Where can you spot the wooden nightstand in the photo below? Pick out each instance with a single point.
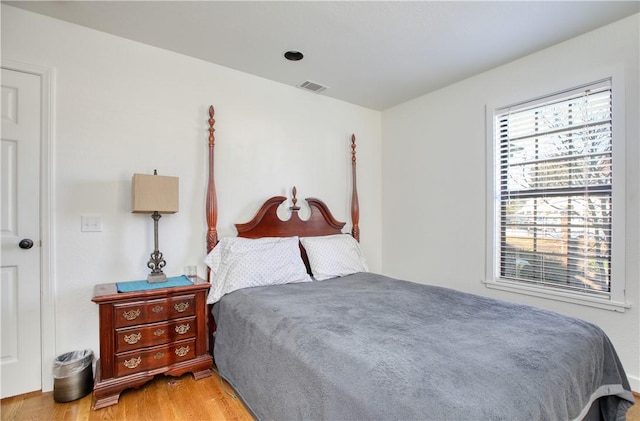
(145, 333)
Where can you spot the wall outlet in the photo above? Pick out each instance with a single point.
(91, 224)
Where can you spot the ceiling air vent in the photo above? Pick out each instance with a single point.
(312, 86)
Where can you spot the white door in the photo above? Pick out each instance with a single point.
(20, 358)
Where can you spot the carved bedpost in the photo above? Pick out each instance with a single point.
(355, 206)
(212, 200)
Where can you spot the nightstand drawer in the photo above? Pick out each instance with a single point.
(155, 334)
(139, 312)
(161, 356)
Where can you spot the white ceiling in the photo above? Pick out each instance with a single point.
(372, 53)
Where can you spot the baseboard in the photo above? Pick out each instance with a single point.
(634, 382)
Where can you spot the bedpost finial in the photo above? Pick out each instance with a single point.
(353, 148)
(212, 121)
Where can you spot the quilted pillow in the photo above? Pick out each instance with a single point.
(336, 255)
(238, 263)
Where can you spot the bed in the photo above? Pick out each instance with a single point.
(346, 344)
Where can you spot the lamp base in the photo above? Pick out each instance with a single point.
(154, 278)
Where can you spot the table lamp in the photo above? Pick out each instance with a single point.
(154, 194)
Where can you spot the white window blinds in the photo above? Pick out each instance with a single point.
(554, 177)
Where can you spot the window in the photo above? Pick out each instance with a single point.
(553, 189)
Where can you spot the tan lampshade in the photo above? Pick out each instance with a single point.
(150, 193)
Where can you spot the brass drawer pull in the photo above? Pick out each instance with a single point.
(131, 314)
(157, 309)
(159, 355)
(182, 351)
(182, 329)
(133, 362)
(158, 332)
(181, 307)
(133, 338)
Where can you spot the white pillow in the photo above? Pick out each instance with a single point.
(238, 263)
(334, 255)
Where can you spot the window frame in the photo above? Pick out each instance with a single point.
(616, 300)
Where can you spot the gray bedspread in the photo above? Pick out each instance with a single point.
(368, 347)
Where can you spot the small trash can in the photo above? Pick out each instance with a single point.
(72, 375)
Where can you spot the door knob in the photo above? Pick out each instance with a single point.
(25, 243)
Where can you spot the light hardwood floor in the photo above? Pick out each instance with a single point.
(634, 412)
(164, 398)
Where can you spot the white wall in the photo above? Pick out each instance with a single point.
(122, 107)
(433, 174)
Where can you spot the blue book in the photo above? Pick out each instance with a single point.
(143, 285)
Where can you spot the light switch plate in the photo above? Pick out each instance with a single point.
(91, 224)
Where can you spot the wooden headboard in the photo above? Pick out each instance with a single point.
(266, 222)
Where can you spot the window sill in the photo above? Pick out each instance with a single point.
(553, 294)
